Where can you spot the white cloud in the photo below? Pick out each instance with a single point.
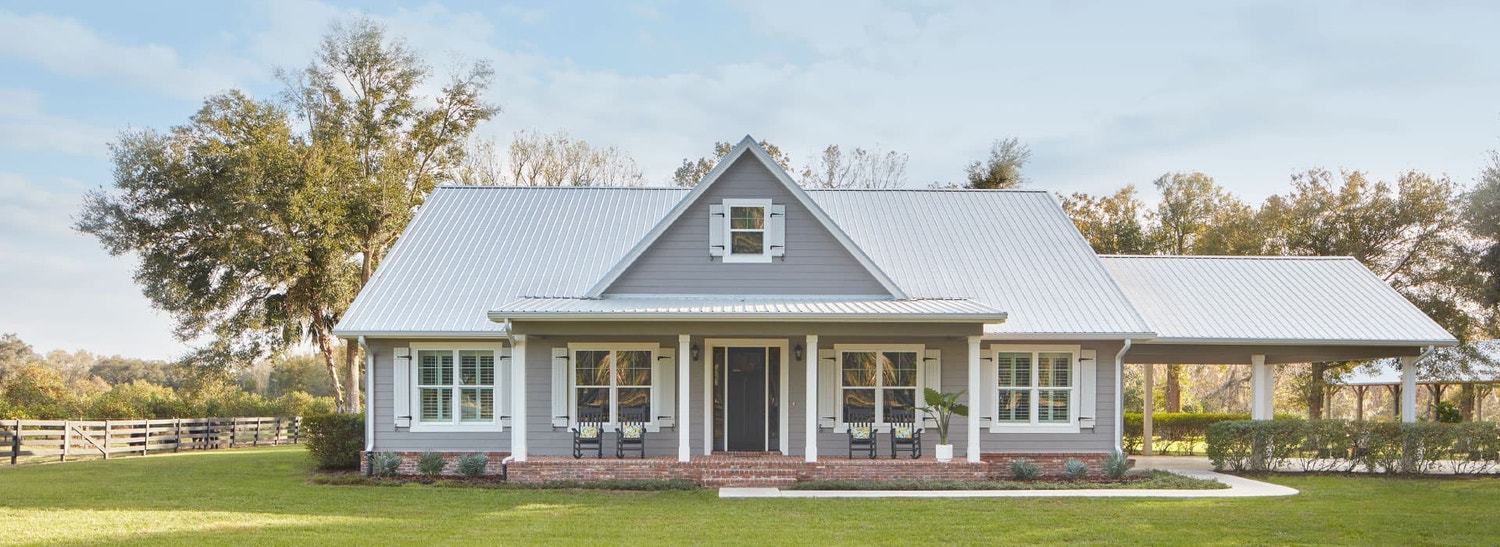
(65, 46)
(25, 125)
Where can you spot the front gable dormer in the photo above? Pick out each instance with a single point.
(746, 229)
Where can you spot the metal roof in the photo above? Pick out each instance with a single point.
(474, 249)
(746, 308)
(1281, 300)
(1014, 250)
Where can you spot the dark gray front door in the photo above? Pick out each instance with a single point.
(746, 408)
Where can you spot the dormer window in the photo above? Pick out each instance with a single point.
(747, 230)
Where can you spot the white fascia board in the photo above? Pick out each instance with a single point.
(347, 335)
(1296, 342)
(746, 144)
(769, 316)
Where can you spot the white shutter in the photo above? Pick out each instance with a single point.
(716, 238)
(401, 387)
(502, 385)
(1088, 380)
(828, 387)
(560, 387)
(932, 375)
(776, 230)
(664, 387)
(982, 405)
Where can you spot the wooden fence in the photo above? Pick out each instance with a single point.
(74, 439)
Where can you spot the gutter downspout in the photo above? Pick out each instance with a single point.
(1120, 398)
(369, 406)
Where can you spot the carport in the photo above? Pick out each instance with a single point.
(1269, 311)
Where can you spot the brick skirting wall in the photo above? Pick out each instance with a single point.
(762, 470)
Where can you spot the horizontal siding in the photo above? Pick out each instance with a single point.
(546, 440)
(678, 262)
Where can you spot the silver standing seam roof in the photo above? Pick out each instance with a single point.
(473, 250)
(747, 309)
(1292, 300)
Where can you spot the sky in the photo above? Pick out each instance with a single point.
(1104, 93)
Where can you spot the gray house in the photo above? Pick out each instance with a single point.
(751, 315)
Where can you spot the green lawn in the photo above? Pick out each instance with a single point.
(261, 496)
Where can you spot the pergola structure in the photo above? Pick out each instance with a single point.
(1268, 311)
(1482, 376)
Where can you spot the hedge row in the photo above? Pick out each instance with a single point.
(1343, 445)
(1181, 431)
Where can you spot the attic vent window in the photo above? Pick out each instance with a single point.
(747, 230)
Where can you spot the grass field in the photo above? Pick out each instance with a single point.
(261, 496)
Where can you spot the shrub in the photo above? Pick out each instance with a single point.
(335, 440)
(1337, 445)
(1023, 470)
(1116, 465)
(431, 464)
(1075, 469)
(385, 464)
(1182, 430)
(472, 465)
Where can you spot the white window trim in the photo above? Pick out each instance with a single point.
(992, 371)
(502, 387)
(653, 425)
(838, 355)
(765, 247)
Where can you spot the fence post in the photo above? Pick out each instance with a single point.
(177, 430)
(67, 441)
(106, 439)
(297, 430)
(276, 439)
(146, 442)
(234, 429)
(256, 442)
(15, 443)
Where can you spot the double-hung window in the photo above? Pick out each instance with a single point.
(1035, 387)
(751, 230)
(456, 388)
(610, 381)
(879, 380)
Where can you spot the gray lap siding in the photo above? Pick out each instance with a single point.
(543, 439)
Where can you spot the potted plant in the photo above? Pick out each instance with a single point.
(943, 406)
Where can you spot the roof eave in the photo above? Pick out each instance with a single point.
(1297, 342)
(352, 334)
(984, 318)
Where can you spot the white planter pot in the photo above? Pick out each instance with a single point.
(945, 452)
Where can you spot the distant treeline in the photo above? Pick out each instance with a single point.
(79, 385)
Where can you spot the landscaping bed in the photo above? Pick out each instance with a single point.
(1150, 480)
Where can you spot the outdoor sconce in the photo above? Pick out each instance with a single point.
(798, 353)
(695, 352)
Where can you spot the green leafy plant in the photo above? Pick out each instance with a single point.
(1075, 469)
(944, 406)
(472, 465)
(1024, 470)
(385, 464)
(431, 464)
(335, 440)
(1447, 412)
(1116, 465)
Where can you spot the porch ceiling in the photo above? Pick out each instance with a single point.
(1189, 353)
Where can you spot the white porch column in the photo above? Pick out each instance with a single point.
(976, 389)
(518, 397)
(1262, 389)
(810, 404)
(684, 397)
(1148, 406)
(1408, 389)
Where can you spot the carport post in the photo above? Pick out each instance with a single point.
(1148, 407)
(1262, 389)
(1408, 389)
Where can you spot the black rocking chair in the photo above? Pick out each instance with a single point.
(630, 433)
(862, 434)
(589, 435)
(905, 433)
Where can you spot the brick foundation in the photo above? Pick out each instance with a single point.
(762, 470)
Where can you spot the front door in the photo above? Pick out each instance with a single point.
(745, 399)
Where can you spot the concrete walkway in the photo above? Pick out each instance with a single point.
(1239, 487)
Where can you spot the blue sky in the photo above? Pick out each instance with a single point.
(1105, 93)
